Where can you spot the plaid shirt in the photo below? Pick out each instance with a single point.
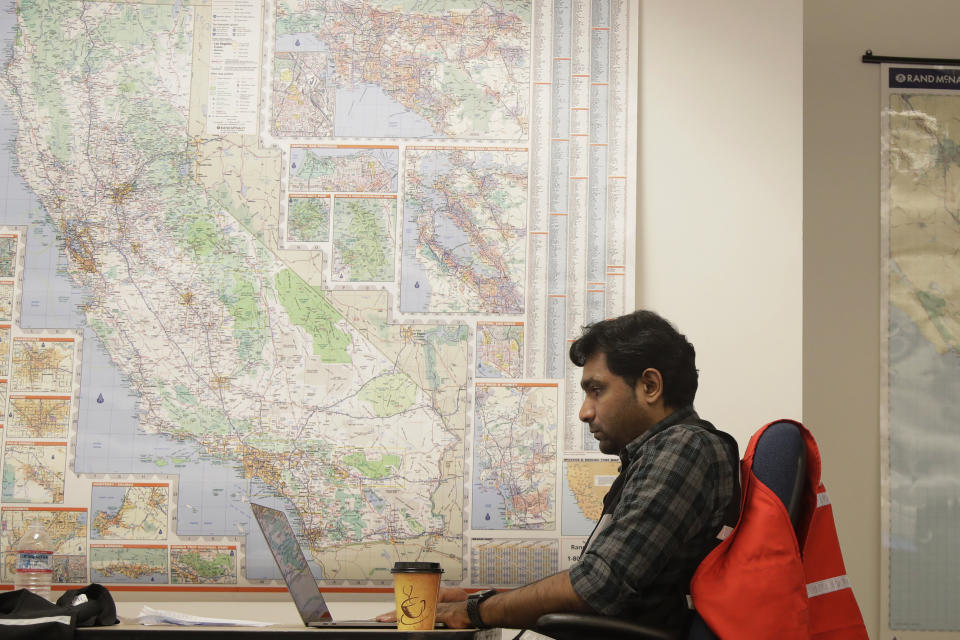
(677, 480)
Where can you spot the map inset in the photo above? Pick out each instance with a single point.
(128, 563)
(8, 256)
(129, 512)
(203, 564)
(33, 471)
(42, 365)
(5, 345)
(585, 482)
(499, 350)
(303, 104)
(511, 562)
(38, 416)
(352, 169)
(364, 237)
(464, 231)
(6, 301)
(67, 529)
(371, 69)
(515, 456)
(308, 219)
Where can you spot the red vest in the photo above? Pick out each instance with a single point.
(759, 584)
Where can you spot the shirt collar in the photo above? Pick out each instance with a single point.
(632, 450)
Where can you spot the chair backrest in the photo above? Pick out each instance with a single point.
(779, 462)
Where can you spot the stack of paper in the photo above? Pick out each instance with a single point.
(149, 615)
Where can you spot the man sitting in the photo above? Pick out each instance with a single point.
(662, 514)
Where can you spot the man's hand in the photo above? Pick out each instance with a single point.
(454, 614)
(447, 595)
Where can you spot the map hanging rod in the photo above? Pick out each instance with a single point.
(868, 57)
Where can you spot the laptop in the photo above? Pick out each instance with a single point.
(296, 573)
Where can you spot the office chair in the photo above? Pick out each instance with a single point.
(780, 463)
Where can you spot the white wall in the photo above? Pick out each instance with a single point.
(719, 248)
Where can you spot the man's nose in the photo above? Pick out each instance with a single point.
(586, 411)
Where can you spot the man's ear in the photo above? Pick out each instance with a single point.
(650, 386)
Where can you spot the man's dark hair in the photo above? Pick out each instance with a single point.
(638, 341)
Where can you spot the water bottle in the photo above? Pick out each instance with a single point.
(34, 569)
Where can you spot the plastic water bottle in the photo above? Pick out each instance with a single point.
(34, 569)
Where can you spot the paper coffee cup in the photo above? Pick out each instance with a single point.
(416, 586)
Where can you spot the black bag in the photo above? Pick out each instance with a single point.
(25, 615)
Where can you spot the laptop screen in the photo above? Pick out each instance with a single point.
(293, 565)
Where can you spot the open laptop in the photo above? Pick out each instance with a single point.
(296, 572)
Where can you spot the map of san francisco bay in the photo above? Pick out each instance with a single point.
(464, 231)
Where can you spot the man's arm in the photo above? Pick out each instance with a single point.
(516, 609)
(519, 608)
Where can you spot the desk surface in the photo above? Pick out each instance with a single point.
(173, 632)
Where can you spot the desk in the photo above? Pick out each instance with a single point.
(276, 632)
